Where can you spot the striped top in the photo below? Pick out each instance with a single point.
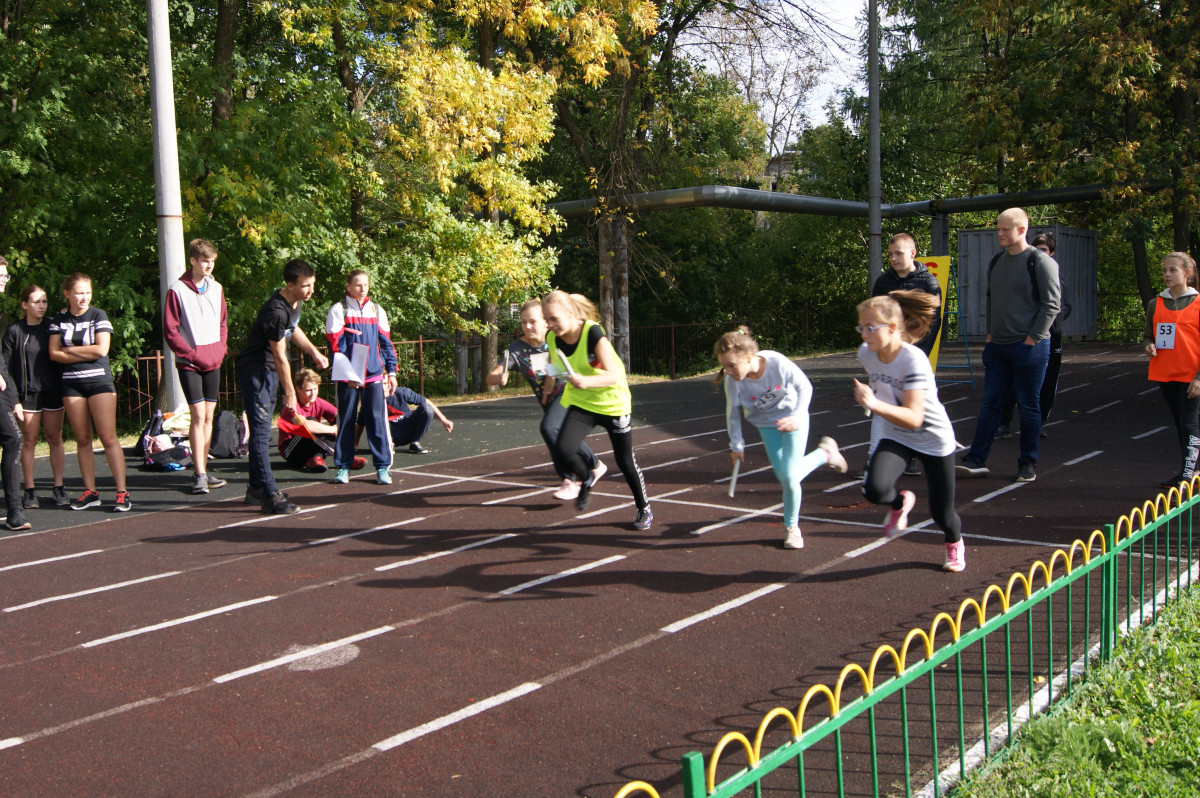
(82, 330)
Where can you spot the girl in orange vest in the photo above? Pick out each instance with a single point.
(1173, 344)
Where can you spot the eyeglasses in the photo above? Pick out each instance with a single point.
(5, 277)
(870, 328)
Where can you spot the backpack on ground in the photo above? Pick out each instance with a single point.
(228, 439)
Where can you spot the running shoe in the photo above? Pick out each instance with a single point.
(278, 504)
(1026, 471)
(383, 476)
(896, 521)
(16, 520)
(834, 460)
(342, 476)
(122, 503)
(568, 490)
(599, 471)
(216, 482)
(1173, 482)
(60, 496)
(416, 448)
(956, 557)
(912, 469)
(90, 498)
(645, 517)
(970, 467)
(794, 539)
(200, 484)
(357, 463)
(30, 500)
(1004, 431)
(316, 464)
(584, 497)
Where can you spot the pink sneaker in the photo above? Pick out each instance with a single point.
(956, 559)
(897, 520)
(599, 471)
(568, 490)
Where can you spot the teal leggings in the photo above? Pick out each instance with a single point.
(785, 450)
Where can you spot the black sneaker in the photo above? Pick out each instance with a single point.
(256, 495)
(1003, 431)
(90, 498)
(122, 504)
(416, 448)
(16, 520)
(1173, 482)
(585, 495)
(278, 504)
(30, 500)
(645, 517)
(60, 496)
(970, 467)
(1026, 472)
(912, 469)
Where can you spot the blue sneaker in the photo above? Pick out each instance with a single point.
(384, 476)
(342, 476)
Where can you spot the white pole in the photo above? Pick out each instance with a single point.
(874, 192)
(167, 200)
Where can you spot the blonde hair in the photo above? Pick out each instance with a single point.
(905, 237)
(738, 341)
(1017, 216)
(1186, 262)
(530, 303)
(305, 376)
(912, 310)
(583, 308)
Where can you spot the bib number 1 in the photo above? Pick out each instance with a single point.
(1164, 335)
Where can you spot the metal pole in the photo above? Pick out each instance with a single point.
(874, 192)
(167, 200)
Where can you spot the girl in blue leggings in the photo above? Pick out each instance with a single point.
(772, 393)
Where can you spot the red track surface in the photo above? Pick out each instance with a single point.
(451, 670)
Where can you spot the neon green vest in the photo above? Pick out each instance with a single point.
(611, 400)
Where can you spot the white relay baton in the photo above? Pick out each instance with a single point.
(737, 466)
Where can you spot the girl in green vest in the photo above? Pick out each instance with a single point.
(596, 393)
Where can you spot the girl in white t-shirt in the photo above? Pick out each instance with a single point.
(903, 392)
(771, 393)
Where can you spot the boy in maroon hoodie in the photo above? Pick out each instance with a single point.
(195, 328)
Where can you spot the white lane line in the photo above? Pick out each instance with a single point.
(361, 532)
(1143, 393)
(436, 554)
(446, 481)
(852, 446)
(273, 517)
(177, 622)
(1073, 388)
(455, 717)
(854, 423)
(670, 463)
(744, 517)
(1087, 456)
(308, 652)
(518, 497)
(1147, 434)
(875, 544)
(960, 399)
(561, 575)
(1120, 376)
(116, 586)
(685, 437)
(1002, 491)
(843, 485)
(1104, 407)
(53, 559)
(1102, 365)
(623, 505)
(721, 608)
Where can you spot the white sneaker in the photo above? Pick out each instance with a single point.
(568, 490)
(835, 459)
(794, 539)
(600, 470)
(956, 557)
(896, 521)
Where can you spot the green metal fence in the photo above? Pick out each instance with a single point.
(920, 714)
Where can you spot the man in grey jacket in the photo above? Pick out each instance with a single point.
(1023, 301)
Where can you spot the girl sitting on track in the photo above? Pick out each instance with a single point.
(596, 393)
(903, 393)
(79, 341)
(529, 355)
(39, 388)
(773, 394)
(1173, 344)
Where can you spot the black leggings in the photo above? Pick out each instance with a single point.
(885, 468)
(1187, 425)
(575, 428)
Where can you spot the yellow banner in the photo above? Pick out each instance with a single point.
(939, 266)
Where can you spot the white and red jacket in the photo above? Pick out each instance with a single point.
(194, 323)
(349, 323)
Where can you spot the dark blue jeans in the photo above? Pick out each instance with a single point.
(373, 418)
(260, 389)
(554, 414)
(1020, 368)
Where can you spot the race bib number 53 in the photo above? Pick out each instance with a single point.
(1164, 335)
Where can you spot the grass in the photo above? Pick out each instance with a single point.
(1133, 729)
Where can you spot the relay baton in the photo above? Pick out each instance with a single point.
(737, 465)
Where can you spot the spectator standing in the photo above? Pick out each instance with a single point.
(80, 337)
(358, 320)
(263, 368)
(38, 383)
(1023, 299)
(195, 327)
(11, 415)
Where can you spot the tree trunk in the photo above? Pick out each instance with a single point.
(605, 251)
(1141, 268)
(355, 99)
(620, 330)
(223, 49)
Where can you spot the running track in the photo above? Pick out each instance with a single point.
(460, 632)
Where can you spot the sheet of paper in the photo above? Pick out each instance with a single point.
(353, 368)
